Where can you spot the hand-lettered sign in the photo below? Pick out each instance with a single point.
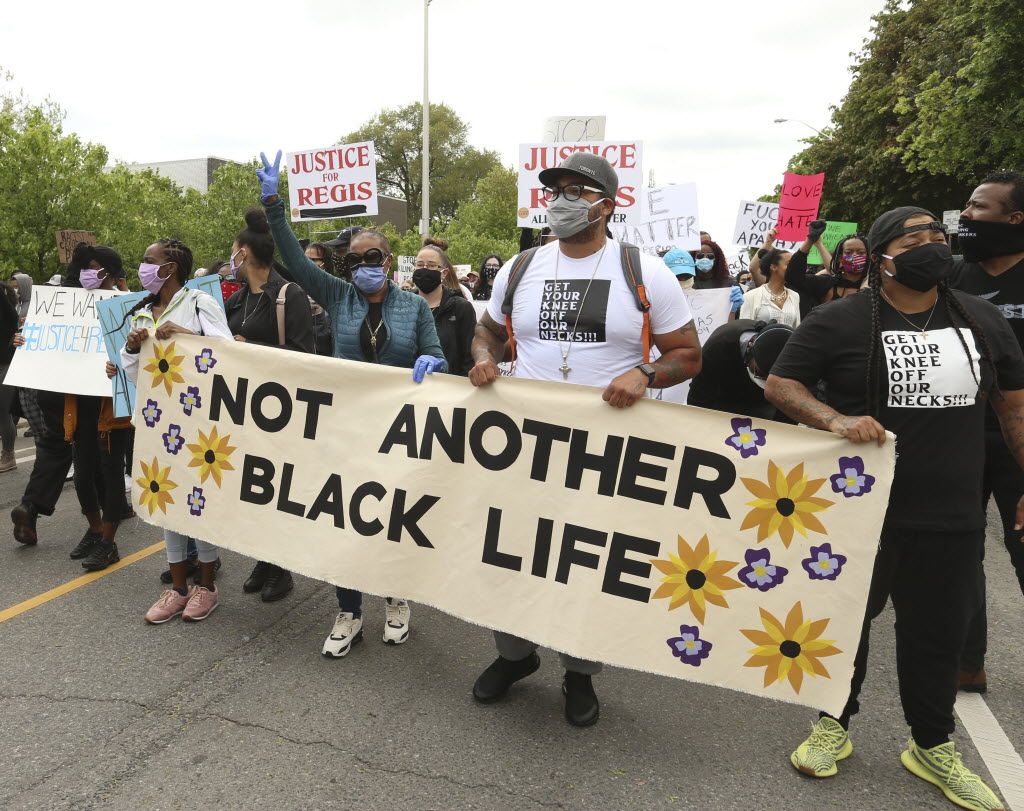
(668, 220)
(67, 241)
(336, 181)
(754, 220)
(798, 204)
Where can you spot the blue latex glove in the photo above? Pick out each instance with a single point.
(426, 365)
(735, 298)
(269, 176)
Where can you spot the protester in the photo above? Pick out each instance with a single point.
(469, 280)
(773, 301)
(485, 280)
(743, 280)
(961, 352)
(340, 245)
(736, 360)
(170, 309)
(991, 237)
(682, 266)
(324, 257)
(24, 293)
(713, 272)
(374, 322)
(616, 336)
(847, 267)
(9, 327)
(454, 316)
(267, 311)
(448, 277)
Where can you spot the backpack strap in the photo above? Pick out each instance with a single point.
(634, 278)
(515, 275)
(280, 313)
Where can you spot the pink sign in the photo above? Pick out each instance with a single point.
(798, 204)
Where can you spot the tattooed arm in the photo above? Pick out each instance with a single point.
(679, 361)
(794, 399)
(488, 350)
(1009, 407)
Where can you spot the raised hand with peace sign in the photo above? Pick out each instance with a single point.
(269, 176)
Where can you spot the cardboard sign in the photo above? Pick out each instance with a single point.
(640, 537)
(754, 220)
(67, 240)
(336, 181)
(626, 157)
(63, 348)
(669, 220)
(951, 219)
(574, 129)
(738, 264)
(710, 309)
(798, 204)
(834, 231)
(114, 321)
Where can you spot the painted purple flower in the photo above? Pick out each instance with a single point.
(760, 573)
(745, 438)
(190, 399)
(688, 647)
(851, 480)
(823, 564)
(151, 413)
(173, 440)
(205, 361)
(196, 501)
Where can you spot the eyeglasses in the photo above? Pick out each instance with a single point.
(427, 266)
(572, 192)
(373, 257)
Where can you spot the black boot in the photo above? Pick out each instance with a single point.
(494, 682)
(102, 555)
(581, 707)
(86, 545)
(24, 518)
(279, 584)
(257, 577)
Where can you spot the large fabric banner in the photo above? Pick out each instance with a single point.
(663, 538)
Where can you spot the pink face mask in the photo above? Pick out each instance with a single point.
(91, 279)
(149, 276)
(853, 262)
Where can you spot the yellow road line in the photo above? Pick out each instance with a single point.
(77, 583)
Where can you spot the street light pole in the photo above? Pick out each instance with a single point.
(425, 219)
(797, 121)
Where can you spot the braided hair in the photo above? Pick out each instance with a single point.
(834, 266)
(176, 251)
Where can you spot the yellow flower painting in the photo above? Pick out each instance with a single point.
(696, 577)
(785, 504)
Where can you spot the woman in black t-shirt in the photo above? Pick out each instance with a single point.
(254, 318)
(916, 358)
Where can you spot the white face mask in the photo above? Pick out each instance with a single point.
(567, 218)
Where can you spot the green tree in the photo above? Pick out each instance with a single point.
(486, 223)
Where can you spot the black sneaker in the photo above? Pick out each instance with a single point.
(86, 545)
(279, 584)
(192, 571)
(24, 518)
(581, 707)
(102, 555)
(257, 578)
(494, 682)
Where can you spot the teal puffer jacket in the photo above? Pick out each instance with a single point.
(408, 323)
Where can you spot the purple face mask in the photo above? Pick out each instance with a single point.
(149, 276)
(91, 279)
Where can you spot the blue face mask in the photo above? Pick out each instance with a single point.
(368, 278)
(705, 264)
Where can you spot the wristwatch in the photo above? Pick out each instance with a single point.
(650, 371)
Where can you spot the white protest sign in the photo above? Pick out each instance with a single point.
(64, 349)
(403, 271)
(335, 181)
(951, 219)
(574, 129)
(626, 157)
(669, 220)
(710, 309)
(462, 270)
(753, 220)
(738, 264)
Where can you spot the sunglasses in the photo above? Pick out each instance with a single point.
(373, 257)
(704, 256)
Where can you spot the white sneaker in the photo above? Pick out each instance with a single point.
(396, 621)
(347, 631)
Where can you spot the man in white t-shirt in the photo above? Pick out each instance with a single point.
(575, 320)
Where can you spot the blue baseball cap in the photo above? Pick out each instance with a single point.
(680, 263)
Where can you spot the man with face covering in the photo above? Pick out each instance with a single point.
(991, 237)
(575, 320)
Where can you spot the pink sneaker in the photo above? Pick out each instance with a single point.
(201, 602)
(167, 607)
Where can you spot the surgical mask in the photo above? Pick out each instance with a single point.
(426, 280)
(923, 267)
(704, 264)
(231, 263)
(567, 218)
(149, 276)
(368, 279)
(853, 262)
(985, 239)
(90, 278)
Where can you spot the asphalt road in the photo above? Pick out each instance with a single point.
(99, 710)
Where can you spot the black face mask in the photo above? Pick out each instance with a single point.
(923, 267)
(490, 273)
(983, 239)
(426, 280)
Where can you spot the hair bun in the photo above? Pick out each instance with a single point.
(256, 221)
(437, 242)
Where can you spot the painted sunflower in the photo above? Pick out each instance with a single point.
(155, 487)
(790, 649)
(165, 366)
(784, 503)
(211, 454)
(695, 576)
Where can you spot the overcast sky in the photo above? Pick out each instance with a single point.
(698, 82)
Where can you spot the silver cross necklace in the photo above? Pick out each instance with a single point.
(565, 369)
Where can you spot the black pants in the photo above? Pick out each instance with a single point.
(99, 474)
(53, 455)
(932, 578)
(1004, 481)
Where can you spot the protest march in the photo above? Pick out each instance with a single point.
(565, 423)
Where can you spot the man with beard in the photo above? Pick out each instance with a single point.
(581, 310)
(992, 240)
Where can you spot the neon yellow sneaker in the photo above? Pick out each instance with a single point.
(827, 744)
(941, 766)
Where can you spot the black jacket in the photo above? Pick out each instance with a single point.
(259, 311)
(8, 327)
(455, 320)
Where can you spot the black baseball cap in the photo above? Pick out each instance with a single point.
(593, 168)
(345, 236)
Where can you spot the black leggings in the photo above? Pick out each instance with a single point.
(99, 463)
